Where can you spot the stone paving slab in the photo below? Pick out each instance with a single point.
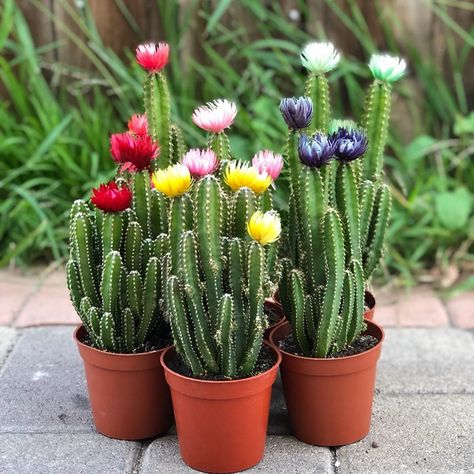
(426, 361)
(282, 455)
(42, 385)
(7, 339)
(13, 296)
(78, 453)
(415, 434)
(50, 305)
(461, 310)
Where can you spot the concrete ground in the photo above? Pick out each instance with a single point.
(423, 419)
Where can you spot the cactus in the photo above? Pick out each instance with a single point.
(216, 287)
(116, 287)
(338, 216)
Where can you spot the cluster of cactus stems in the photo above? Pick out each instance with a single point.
(171, 246)
(338, 216)
(116, 267)
(216, 289)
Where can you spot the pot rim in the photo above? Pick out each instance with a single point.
(222, 382)
(329, 359)
(107, 353)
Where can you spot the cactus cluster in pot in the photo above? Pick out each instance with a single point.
(339, 205)
(221, 231)
(118, 243)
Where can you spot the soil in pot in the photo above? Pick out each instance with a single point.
(363, 343)
(221, 424)
(266, 360)
(128, 392)
(329, 401)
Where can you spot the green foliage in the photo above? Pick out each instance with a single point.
(53, 148)
(117, 286)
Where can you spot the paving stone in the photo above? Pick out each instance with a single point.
(421, 308)
(386, 316)
(283, 455)
(461, 310)
(7, 339)
(50, 305)
(13, 295)
(415, 434)
(56, 277)
(426, 361)
(42, 385)
(78, 453)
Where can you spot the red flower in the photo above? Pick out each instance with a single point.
(134, 152)
(153, 57)
(138, 124)
(111, 198)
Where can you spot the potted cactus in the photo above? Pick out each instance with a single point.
(220, 372)
(338, 214)
(115, 273)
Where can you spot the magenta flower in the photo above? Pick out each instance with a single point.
(200, 162)
(268, 162)
(215, 116)
(133, 152)
(138, 124)
(153, 57)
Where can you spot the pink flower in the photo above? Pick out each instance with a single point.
(153, 57)
(268, 162)
(134, 152)
(200, 162)
(215, 116)
(138, 124)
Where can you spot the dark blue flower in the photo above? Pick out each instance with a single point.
(297, 111)
(315, 151)
(349, 144)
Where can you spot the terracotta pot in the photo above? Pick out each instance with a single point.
(221, 425)
(370, 303)
(329, 401)
(128, 392)
(271, 304)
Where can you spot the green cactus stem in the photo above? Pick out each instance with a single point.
(177, 148)
(317, 88)
(376, 120)
(157, 108)
(219, 143)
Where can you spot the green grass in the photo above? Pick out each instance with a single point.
(54, 138)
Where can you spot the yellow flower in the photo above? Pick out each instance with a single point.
(172, 181)
(265, 228)
(241, 175)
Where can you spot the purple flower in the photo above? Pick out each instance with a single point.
(315, 151)
(349, 144)
(297, 111)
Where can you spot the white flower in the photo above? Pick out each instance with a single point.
(385, 67)
(320, 57)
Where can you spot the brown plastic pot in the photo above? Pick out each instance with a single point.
(369, 303)
(271, 304)
(329, 401)
(221, 425)
(128, 392)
